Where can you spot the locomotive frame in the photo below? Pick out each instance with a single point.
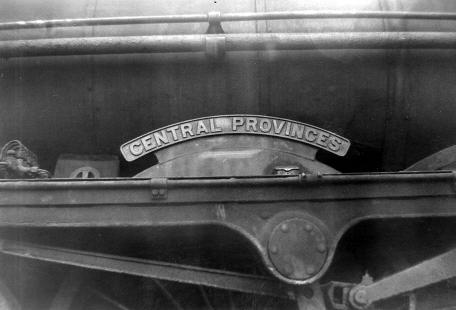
(259, 209)
(273, 214)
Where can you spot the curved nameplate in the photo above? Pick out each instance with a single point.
(234, 124)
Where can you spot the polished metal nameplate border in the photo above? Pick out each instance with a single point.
(234, 124)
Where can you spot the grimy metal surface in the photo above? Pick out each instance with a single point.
(150, 269)
(390, 102)
(227, 42)
(253, 207)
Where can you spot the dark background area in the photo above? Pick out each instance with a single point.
(395, 106)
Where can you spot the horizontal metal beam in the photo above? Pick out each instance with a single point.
(150, 269)
(249, 206)
(223, 17)
(231, 42)
(245, 189)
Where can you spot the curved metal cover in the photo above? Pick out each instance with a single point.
(234, 155)
(234, 124)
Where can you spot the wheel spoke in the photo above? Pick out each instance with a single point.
(168, 295)
(205, 298)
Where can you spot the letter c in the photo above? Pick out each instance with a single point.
(136, 148)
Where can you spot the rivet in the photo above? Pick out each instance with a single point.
(308, 227)
(360, 297)
(321, 247)
(287, 269)
(310, 269)
(274, 249)
(155, 192)
(162, 191)
(284, 227)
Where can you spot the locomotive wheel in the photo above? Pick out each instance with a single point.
(167, 295)
(83, 291)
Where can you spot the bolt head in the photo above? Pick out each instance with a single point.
(298, 248)
(321, 247)
(310, 269)
(288, 269)
(361, 297)
(162, 191)
(155, 192)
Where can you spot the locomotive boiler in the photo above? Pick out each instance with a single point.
(221, 154)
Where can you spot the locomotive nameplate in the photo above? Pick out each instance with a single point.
(234, 124)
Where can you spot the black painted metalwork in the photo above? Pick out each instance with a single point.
(150, 269)
(333, 203)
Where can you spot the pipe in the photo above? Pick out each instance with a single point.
(226, 17)
(103, 21)
(138, 183)
(336, 14)
(232, 42)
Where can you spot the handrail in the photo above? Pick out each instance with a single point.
(223, 17)
(227, 42)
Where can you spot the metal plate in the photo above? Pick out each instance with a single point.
(298, 248)
(234, 124)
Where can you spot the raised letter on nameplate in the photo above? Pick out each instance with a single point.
(234, 124)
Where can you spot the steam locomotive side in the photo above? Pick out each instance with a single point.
(223, 155)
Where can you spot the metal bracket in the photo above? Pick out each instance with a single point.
(215, 47)
(214, 19)
(432, 271)
(286, 170)
(159, 188)
(337, 293)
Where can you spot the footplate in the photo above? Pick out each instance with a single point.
(293, 222)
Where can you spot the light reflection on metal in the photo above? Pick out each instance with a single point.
(429, 272)
(223, 17)
(232, 42)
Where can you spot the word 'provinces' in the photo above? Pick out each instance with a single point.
(234, 124)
